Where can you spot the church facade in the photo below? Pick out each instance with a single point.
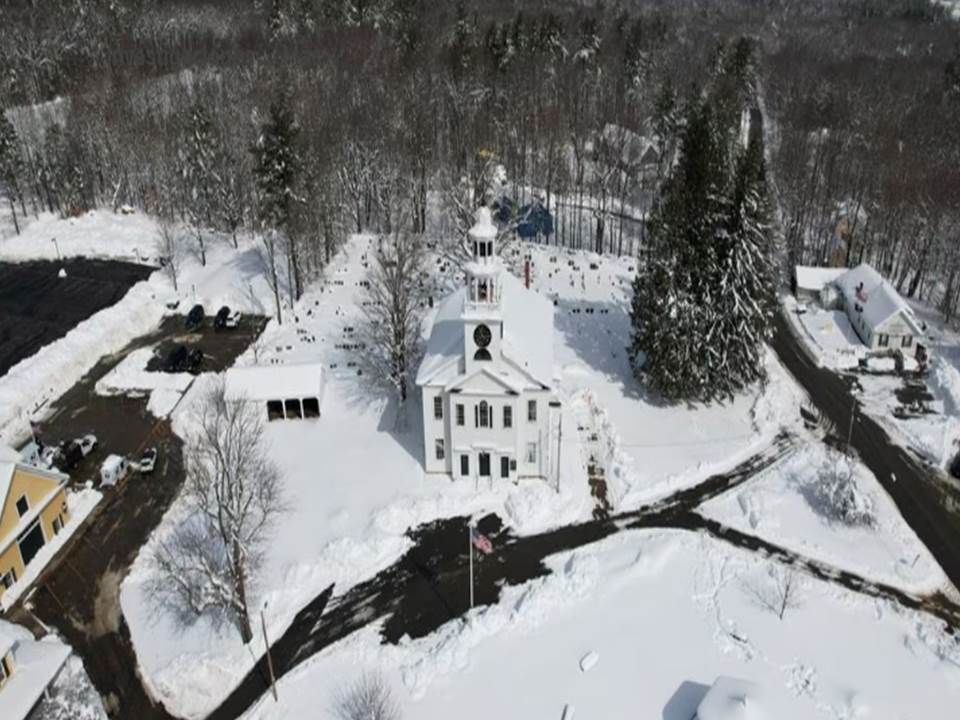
(490, 406)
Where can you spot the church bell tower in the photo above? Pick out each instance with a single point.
(482, 318)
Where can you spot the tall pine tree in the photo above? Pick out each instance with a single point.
(11, 168)
(703, 302)
(275, 171)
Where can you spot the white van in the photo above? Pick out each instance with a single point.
(113, 470)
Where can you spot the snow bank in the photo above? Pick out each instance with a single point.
(56, 367)
(97, 234)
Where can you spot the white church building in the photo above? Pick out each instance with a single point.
(490, 406)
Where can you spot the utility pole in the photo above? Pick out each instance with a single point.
(266, 643)
(470, 550)
(853, 415)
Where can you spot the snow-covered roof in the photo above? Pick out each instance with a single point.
(733, 699)
(865, 287)
(10, 460)
(275, 382)
(527, 334)
(445, 345)
(36, 664)
(483, 227)
(816, 278)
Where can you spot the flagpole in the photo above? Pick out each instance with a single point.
(470, 550)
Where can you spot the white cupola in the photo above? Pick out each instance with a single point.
(482, 272)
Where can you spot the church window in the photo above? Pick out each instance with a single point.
(482, 354)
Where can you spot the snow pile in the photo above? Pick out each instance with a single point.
(56, 367)
(131, 376)
(97, 234)
(786, 505)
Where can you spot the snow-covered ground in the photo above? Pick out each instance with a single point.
(355, 480)
(71, 696)
(781, 505)
(664, 613)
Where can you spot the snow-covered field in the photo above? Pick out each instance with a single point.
(782, 505)
(664, 613)
(356, 484)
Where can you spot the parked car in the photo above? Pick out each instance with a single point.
(148, 461)
(226, 319)
(182, 360)
(113, 470)
(68, 457)
(194, 318)
(87, 443)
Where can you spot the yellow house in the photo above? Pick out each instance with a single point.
(33, 509)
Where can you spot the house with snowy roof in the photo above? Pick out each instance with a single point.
(27, 668)
(490, 404)
(33, 509)
(880, 317)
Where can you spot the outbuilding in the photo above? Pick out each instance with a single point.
(285, 392)
(813, 284)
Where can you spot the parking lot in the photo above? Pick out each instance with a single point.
(37, 306)
(79, 592)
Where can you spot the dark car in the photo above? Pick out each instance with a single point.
(182, 360)
(225, 319)
(194, 318)
(68, 457)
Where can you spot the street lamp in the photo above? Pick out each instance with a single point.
(57, 246)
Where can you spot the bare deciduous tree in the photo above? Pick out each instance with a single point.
(778, 591)
(369, 698)
(233, 495)
(393, 308)
(170, 249)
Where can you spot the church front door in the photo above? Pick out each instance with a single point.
(484, 464)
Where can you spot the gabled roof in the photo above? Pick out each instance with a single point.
(527, 334)
(36, 665)
(816, 278)
(269, 382)
(865, 287)
(735, 699)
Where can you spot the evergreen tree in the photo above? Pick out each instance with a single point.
(11, 167)
(703, 301)
(276, 166)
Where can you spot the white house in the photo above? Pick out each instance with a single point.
(27, 668)
(291, 392)
(880, 317)
(490, 406)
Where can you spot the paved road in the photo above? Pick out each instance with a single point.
(37, 306)
(914, 486)
(78, 593)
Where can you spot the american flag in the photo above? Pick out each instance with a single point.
(480, 541)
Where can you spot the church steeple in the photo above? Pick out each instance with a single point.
(482, 272)
(482, 319)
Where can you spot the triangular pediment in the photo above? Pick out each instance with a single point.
(485, 380)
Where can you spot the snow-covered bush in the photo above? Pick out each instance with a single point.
(369, 698)
(835, 494)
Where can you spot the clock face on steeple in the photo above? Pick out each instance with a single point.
(482, 336)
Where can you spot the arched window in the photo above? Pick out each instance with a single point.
(482, 354)
(484, 412)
